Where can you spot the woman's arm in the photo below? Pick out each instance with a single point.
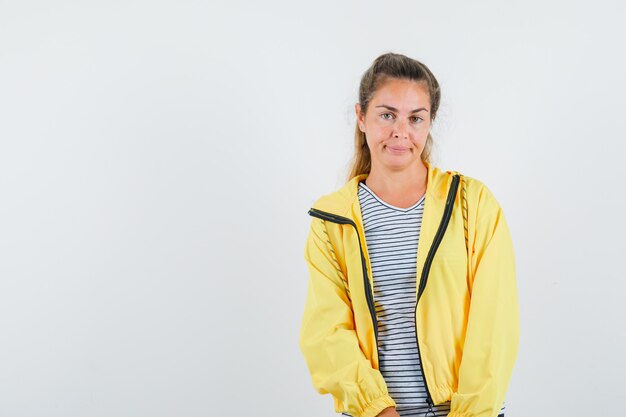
(493, 327)
(328, 339)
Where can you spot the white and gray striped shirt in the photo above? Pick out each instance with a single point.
(392, 235)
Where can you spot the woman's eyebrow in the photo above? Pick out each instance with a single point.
(394, 109)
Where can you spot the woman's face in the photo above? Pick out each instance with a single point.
(396, 124)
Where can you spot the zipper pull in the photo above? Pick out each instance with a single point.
(430, 409)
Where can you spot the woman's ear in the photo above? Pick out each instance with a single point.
(359, 116)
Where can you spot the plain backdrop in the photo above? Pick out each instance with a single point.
(158, 158)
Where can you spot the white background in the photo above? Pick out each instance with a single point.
(158, 158)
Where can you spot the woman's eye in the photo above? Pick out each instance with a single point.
(416, 119)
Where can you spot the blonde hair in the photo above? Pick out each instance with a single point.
(385, 67)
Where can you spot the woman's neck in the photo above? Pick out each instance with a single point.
(399, 188)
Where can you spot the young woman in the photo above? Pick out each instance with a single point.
(412, 305)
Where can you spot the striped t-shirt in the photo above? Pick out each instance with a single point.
(392, 235)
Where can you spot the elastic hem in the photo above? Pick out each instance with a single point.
(375, 407)
(441, 394)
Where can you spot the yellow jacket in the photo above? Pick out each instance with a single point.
(467, 315)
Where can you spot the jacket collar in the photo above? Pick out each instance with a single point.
(342, 201)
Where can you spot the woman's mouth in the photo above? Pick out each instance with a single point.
(397, 149)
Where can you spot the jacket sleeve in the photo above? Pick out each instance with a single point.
(493, 327)
(328, 339)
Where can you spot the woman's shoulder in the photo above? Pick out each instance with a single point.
(473, 183)
(479, 193)
(340, 199)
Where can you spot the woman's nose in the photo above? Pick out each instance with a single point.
(400, 130)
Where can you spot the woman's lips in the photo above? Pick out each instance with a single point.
(397, 149)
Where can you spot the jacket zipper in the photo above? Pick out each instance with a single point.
(369, 294)
(447, 213)
(368, 289)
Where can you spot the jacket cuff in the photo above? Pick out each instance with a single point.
(377, 406)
